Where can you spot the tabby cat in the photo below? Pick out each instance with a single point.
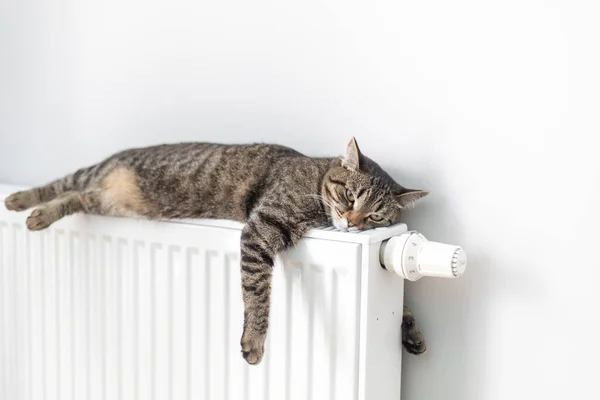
(279, 193)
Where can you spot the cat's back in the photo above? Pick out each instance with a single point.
(193, 153)
(206, 179)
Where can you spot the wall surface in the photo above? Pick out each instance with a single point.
(492, 106)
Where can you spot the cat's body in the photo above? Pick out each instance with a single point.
(278, 192)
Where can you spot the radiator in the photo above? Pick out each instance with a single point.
(120, 309)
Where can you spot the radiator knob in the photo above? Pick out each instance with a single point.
(412, 256)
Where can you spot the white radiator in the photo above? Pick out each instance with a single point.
(118, 309)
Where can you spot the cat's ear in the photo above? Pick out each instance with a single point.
(353, 157)
(409, 197)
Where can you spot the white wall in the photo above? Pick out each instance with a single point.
(492, 106)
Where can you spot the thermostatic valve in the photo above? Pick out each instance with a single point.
(412, 256)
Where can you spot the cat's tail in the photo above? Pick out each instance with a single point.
(79, 181)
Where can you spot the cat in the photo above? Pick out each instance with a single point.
(279, 193)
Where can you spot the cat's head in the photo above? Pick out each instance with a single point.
(359, 193)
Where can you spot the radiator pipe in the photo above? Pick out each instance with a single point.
(412, 256)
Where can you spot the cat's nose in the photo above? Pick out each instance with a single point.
(355, 219)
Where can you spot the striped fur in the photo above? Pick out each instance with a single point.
(278, 192)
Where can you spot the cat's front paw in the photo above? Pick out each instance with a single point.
(412, 338)
(253, 346)
(413, 347)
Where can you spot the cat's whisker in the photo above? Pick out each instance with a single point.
(321, 198)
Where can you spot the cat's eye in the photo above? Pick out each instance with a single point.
(376, 217)
(350, 196)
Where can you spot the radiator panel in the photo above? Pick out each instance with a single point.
(99, 308)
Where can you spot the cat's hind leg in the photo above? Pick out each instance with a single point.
(117, 194)
(66, 204)
(26, 199)
(79, 181)
(412, 338)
